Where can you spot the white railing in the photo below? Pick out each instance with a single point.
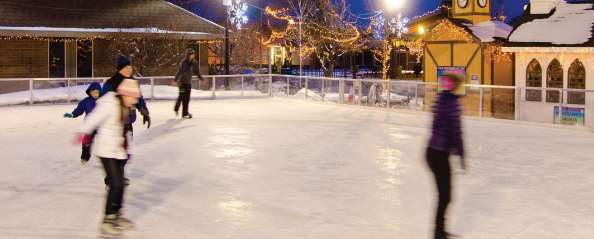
(485, 101)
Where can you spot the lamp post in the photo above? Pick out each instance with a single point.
(226, 4)
(391, 4)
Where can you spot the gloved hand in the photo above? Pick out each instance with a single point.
(145, 116)
(82, 138)
(68, 115)
(463, 164)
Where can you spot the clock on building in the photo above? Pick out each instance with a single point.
(462, 3)
(482, 3)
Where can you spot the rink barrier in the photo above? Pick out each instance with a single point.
(480, 101)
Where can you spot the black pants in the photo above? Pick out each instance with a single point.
(183, 98)
(86, 148)
(127, 128)
(440, 166)
(114, 169)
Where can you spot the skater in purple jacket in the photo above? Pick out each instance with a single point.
(446, 139)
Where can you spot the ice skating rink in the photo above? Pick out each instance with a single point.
(274, 168)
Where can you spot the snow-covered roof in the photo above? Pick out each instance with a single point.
(488, 30)
(99, 18)
(111, 30)
(568, 24)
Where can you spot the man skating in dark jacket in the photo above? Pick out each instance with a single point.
(183, 78)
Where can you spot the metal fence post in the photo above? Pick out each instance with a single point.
(306, 87)
(518, 99)
(322, 90)
(288, 86)
(152, 88)
(241, 86)
(270, 85)
(360, 93)
(31, 92)
(68, 84)
(481, 102)
(560, 105)
(389, 86)
(341, 91)
(214, 86)
(416, 96)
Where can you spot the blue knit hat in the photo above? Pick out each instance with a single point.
(122, 62)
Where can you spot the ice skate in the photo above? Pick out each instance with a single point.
(176, 112)
(83, 162)
(108, 228)
(188, 115)
(447, 235)
(123, 223)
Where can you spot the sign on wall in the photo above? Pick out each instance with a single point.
(445, 81)
(570, 116)
(474, 80)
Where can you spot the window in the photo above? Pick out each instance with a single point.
(554, 80)
(534, 79)
(84, 58)
(57, 59)
(576, 76)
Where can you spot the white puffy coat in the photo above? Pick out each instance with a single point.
(109, 141)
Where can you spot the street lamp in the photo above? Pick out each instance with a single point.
(394, 3)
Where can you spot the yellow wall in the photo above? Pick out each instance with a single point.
(473, 7)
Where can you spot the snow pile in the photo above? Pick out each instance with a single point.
(488, 30)
(310, 95)
(570, 24)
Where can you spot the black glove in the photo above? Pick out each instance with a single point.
(145, 116)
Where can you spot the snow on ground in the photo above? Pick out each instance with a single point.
(275, 168)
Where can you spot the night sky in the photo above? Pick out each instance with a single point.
(413, 8)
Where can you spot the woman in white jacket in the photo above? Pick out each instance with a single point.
(111, 145)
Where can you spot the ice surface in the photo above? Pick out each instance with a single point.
(276, 168)
(570, 24)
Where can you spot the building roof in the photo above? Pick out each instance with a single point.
(100, 18)
(490, 31)
(567, 25)
(487, 31)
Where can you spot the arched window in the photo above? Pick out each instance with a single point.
(554, 80)
(534, 79)
(577, 80)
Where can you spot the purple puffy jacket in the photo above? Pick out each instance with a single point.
(446, 133)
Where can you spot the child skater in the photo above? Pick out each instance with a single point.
(85, 107)
(110, 115)
(446, 138)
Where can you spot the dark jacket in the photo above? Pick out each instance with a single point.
(186, 69)
(447, 133)
(112, 84)
(86, 106)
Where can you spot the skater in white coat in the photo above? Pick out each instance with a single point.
(111, 145)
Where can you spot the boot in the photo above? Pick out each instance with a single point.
(123, 223)
(108, 227)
